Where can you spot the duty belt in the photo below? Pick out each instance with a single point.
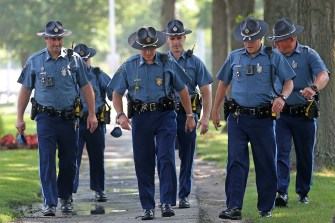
(144, 107)
(180, 108)
(66, 114)
(259, 112)
(295, 111)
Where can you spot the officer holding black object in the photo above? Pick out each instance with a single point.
(250, 116)
(95, 141)
(299, 117)
(151, 78)
(55, 73)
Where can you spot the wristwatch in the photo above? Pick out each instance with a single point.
(314, 88)
(191, 115)
(283, 97)
(119, 115)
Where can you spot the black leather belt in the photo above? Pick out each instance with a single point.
(66, 114)
(259, 112)
(295, 111)
(180, 108)
(144, 107)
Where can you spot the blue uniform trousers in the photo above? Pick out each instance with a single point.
(261, 135)
(54, 131)
(186, 149)
(303, 132)
(154, 136)
(95, 146)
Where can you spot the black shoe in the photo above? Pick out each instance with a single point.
(49, 210)
(66, 205)
(167, 210)
(149, 214)
(281, 200)
(232, 213)
(303, 199)
(183, 203)
(100, 197)
(265, 214)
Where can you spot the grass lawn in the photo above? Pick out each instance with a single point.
(321, 209)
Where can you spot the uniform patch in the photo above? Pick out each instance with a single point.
(259, 68)
(159, 81)
(294, 64)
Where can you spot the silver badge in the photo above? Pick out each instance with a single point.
(259, 68)
(56, 30)
(294, 64)
(174, 29)
(63, 71)
(246, 31)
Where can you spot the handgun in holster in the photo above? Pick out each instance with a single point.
(196, 104)
(104, 114)
(312, 110)
(78, 107)
(130, 106)
(228, 106)
(34, 108)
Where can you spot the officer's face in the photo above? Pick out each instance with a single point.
(148, 55)
(54, 44)
(176, 43)
(285, 46)
(253, 47)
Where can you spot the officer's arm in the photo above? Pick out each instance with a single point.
(121, 117)
(22, 103)
(206, 108)
(186, 101)
(220, 94)
(88, 94)
(279, 102)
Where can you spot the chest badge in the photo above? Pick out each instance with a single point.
(159, 81)
(294, 64)
(63, 72)
(259, 68)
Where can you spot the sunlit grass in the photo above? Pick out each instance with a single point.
(321, 209)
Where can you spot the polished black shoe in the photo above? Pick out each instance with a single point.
(265, 214)
(232, 213)
(66, 205)
(183, 203)
(281, 200)
(100, 197)
(303, 199)
(167, 210)
(149, 214)
(49, 210)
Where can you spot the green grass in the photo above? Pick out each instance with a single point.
(8, 124)
(321, 209)
(19, 182)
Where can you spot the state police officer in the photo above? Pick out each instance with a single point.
(250, 119)
(95, 141)
(295, 123)
(150, 78)
(55, 74)
(201, 78)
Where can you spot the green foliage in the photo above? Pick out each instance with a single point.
(1, 125)
(213, 146)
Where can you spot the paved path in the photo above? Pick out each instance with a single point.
(123, 204)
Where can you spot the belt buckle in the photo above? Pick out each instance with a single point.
(152, 107)
(252, 111)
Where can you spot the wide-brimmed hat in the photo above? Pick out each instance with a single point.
(283, 29)
(146, 38)
(250, 29)
(54, 28)
(84, 51)
(176, 28)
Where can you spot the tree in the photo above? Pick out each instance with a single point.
(168, 13)
(319, 33)
(275, 10)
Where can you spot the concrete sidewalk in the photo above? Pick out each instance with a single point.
(123, 203)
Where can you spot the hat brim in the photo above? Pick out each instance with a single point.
(186, 31)
(65, 33)
(132, 42)
(264, 29)
(298, 29)
(92, 53)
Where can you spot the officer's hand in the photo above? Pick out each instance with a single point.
(216, 120)
(204, 124)
(190, 124)
(124, 122)
(308, 93)
(278, 104)
(92, 122)
(20, 126)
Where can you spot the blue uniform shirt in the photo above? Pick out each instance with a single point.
(196, 70)
(256, 89)
(99, 84)
(55, 81)
(144, 81)
(307, 64)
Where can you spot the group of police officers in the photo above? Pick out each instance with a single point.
(168, 94)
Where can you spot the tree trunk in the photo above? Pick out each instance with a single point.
(319, 34)
(168, 13)
(219, 41)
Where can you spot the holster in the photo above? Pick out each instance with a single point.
(130, 106)
(167, 104)
(312, 110)
(34, 109)
(196, 101)
(104, 114)
(228, 106)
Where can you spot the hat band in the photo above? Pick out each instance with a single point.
(249, 36)
(175, 34)
(147, 45)
(274, 37)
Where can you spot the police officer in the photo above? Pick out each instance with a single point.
(248, 70)
(55, 74)
(312, 76)
(201, 78)
(150, 78)
(95, 141)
